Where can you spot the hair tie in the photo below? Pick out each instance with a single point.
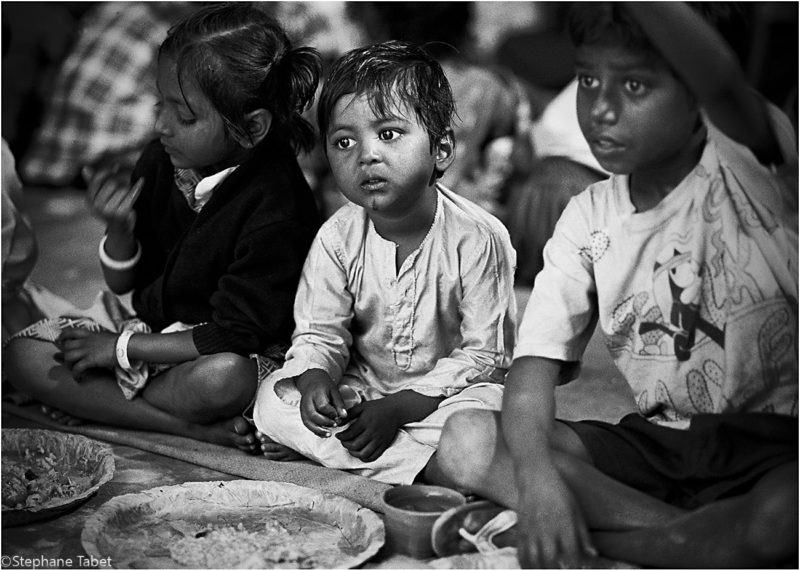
(279, 63)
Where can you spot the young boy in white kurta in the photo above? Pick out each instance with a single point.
(405, 311)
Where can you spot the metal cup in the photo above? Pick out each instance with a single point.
(410, 511)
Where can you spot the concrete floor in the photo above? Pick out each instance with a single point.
(68, 238)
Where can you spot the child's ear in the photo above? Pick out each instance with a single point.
(445, 151)
(258, 123)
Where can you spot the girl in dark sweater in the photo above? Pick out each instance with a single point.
(209, 234)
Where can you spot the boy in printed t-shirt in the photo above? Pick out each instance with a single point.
(687, 258)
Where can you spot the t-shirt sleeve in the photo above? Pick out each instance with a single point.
(562, 311)
(784, 134)
(786, 173)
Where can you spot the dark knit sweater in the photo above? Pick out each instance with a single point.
(236, 264)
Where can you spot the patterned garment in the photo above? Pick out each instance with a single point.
(108, 313)
(101, 108)
(196, 189)
(697, 297)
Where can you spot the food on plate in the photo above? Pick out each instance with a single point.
(235, 547)
(15, 485)
(233, 524)
(46, 473)
(38, 477)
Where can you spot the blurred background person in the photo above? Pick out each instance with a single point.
(520, 154)
(100, 108)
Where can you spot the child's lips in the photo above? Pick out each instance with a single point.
(373, 184)
(606, 144)
(604, 147)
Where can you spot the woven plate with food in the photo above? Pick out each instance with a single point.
(233, 524)
(47, 473)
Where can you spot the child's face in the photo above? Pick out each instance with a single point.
(634, 113)
(384, 164)
(193, 135)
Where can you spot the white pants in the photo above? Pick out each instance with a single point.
(278, 417)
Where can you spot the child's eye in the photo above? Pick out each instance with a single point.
(587, 81)
(343, 143)
(184, 121)
(635, 86)
(388, 134)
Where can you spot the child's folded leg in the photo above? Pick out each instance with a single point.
(485, 396)
(209, 388)
(277, 415)
(32, 369)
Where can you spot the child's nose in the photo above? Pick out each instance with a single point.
(369, 153)
(161, 126)
(605, 108)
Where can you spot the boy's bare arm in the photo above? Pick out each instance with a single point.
(704, 60)
(552, 529)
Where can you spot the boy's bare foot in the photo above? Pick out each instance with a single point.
(244, 437)
(276, 451)
(61, 417)
(235, 432)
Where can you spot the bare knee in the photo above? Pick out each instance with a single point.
(772, 525)
(467, 446)
(26, 363)
(224, 382)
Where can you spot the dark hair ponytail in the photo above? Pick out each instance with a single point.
(242, 60)
(291, 84)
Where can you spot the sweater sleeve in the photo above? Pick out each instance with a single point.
(252, 304)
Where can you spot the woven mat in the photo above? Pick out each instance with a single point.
(362, 490)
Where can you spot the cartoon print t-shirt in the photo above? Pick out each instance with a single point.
(697, 297)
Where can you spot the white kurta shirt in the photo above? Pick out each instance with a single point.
(445, 320)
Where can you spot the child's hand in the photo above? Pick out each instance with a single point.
(372, 429)
(82, 349)
(552, 530)
(321, 404)
(109, 195)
